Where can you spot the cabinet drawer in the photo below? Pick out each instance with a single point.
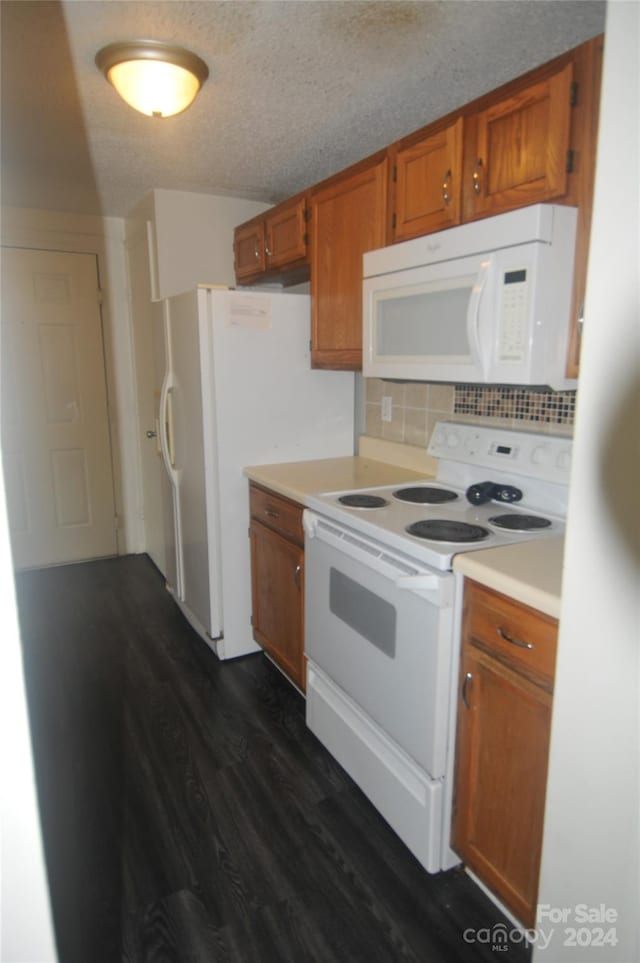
(518, 635)
(276, 512)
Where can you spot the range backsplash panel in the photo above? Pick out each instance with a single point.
(416, 406)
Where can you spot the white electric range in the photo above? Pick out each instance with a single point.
(382, 612)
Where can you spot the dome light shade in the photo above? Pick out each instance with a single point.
(155, 78)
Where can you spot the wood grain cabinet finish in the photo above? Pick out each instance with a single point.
(273, 244)
(277, 580)
(532, 140)
(248, 250)
(518, 149)
(348, 218)
(427, 183)
(504, 722)
(286, 234)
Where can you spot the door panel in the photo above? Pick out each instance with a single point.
(348, 217)
(428, 186)
(55, 428)
(521, 149)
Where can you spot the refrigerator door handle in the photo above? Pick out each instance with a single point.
(166, 427)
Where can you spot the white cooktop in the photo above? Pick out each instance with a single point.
(537, 464)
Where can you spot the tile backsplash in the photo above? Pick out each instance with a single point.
(417, 405)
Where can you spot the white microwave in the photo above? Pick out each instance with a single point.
(487, 302)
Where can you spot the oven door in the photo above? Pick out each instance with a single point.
(379, 625)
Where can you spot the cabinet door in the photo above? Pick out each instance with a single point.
(521, 148)
(428, 179)
(501, 769)
(285, 234)
(347, 219)
(248, 249)
(278, 590)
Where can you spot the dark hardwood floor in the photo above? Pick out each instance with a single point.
(188, 813)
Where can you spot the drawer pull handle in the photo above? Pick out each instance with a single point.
(296, 576)
(519, 642)
(467, 679)
(272, 513)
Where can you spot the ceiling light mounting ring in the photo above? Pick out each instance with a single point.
(156, 78)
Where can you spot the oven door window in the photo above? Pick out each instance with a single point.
(371, 616)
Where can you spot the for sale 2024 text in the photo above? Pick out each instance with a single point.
(584, 925)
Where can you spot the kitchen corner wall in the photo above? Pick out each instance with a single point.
(416, 406)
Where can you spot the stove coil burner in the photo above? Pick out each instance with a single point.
(425, 495)
(520, 523)
(447, 530)
(358, 500)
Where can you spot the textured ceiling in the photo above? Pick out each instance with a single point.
(297, 90)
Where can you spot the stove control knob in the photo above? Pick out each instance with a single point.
(563, 461)
(540, 455)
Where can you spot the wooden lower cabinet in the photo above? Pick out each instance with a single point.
(277, 580)
(504, 722)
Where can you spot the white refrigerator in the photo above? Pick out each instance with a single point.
(238, 390)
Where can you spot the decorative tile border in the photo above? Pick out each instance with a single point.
(520, 404)
(417, 406)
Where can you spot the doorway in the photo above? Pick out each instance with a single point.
(55, 425)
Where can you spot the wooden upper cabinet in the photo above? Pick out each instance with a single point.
(273, 244)
(426, 191)
(517, 149)
(286, 233)
(248, 249)
(348, 218)
(530, 141)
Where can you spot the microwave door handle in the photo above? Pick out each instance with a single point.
(473, 314)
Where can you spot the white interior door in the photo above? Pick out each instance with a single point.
(55, 426)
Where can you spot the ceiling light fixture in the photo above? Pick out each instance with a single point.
(156, 78)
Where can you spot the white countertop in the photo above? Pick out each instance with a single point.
(298, 479)
(529, 572)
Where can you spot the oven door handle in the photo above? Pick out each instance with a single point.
(422, 581)
(436, 587)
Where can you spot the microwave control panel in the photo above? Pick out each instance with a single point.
(514, 300)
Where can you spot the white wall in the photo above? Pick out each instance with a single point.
(26, 933)
(592, 830)
(194, 235)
